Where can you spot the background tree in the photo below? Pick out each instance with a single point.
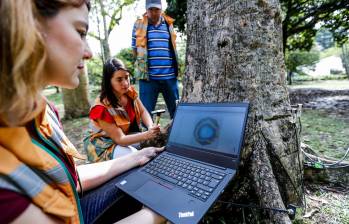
(95, 69)
(303, 19)
(324, 39)
(106, 14)
(126, 55)
(76, 101)
(234, 53)
(295, 59)
(300, 21)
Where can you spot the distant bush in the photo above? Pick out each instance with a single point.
(335, 72)
(295, 59)
(306, 78)
(95, 69)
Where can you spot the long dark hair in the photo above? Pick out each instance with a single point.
(109, 68)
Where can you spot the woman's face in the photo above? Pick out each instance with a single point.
(65, 39)
(120, 81)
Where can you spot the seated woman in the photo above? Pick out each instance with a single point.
(116, 116)
(44, 43)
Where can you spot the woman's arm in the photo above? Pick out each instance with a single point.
(118, 136)
(144, 216)
(33, 214)
(145, 116)
(95, 174)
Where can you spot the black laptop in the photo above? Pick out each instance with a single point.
(201, 157)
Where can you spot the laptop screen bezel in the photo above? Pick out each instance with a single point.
(214, 157)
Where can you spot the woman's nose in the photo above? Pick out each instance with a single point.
(125, 81)
(87, 52)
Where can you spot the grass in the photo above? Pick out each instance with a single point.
(325, 134)
(324, 84)
(331, 207)
(308, 78)
(53, 96)
(333, 51)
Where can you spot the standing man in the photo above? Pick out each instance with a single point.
(154, 49)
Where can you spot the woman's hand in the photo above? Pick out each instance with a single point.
(152, 132)
(144, 155)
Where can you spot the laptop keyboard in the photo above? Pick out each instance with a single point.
(198, 181)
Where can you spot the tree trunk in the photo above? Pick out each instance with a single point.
(105, 44)
(76, 101)
(234, 53)
(345, 58)
(106, 49)
(289, 78)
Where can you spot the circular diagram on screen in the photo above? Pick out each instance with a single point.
(206, 131)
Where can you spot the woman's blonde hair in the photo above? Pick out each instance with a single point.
(22, 60)
(23, 56)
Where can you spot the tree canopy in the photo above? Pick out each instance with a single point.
(106, 14)
(301, 20)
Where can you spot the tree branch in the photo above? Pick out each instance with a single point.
(316, 13)
(94, 36)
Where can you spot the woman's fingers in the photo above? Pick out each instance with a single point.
(159, 149)
(149, 153)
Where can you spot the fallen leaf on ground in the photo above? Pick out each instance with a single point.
(311, 213)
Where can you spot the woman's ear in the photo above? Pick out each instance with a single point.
(40, 24)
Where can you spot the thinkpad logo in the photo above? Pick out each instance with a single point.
(185, 214)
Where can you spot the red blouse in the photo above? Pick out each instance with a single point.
(100, 112)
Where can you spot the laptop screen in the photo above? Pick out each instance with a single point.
(211, 127)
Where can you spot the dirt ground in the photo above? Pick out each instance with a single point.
(324, 203)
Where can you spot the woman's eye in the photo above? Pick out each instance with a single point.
(82, 34)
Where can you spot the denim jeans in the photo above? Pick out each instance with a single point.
(107, 204)
(149, 92)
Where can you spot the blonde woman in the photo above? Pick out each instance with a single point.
(43, 42)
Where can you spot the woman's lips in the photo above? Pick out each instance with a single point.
(81, 66)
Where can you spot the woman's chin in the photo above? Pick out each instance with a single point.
(72, 85)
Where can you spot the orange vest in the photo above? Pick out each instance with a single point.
(29, 168)
(98, 145)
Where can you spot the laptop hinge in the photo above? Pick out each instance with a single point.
(217, 159)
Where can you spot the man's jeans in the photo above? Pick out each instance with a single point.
(149, 92)
(107, 204)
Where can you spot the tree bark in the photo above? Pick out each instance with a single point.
(76, 101)
(104, 41)
(345, 58)
(234, 54)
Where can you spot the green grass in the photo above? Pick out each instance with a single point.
(333, 51)
(336, 210)
(326, 135)
(324, 84)
(53, 96)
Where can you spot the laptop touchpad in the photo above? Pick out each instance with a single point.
(153, 192)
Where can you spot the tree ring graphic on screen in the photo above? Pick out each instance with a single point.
(206, 131)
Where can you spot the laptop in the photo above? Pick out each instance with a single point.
(201, 157)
